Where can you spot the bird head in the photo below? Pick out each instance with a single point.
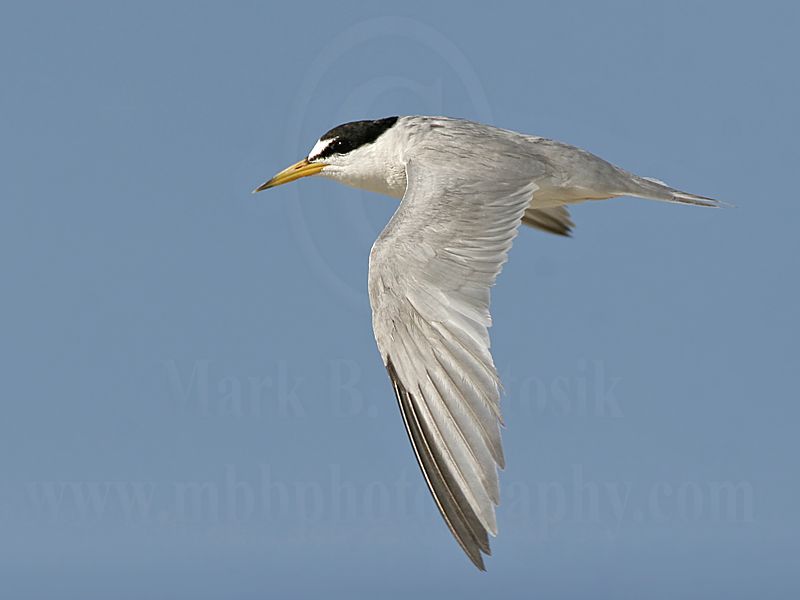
(355, 153)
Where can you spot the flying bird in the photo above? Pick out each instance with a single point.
(465, 189)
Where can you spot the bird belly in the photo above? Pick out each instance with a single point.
(549, 197)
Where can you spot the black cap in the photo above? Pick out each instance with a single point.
(350, 136)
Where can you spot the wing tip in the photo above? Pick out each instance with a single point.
(473, 543)
(555, 220)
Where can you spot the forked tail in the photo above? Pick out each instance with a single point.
(653, 189)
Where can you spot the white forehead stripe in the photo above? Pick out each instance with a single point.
(319, 147)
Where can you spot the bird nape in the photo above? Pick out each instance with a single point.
(465, 188)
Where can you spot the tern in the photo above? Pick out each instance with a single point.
(465, 189)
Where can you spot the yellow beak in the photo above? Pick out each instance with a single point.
(296, 171)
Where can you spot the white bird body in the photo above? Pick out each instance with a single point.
(564, 174)
(465, 189)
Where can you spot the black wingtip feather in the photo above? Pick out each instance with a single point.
(457, 514)
(554, 228)
(552, 220)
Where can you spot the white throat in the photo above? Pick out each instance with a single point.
(376, 167)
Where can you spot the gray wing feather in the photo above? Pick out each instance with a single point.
(430, 274)
(460, 518)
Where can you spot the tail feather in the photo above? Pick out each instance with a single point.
(653, 189)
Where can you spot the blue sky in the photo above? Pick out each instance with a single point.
(193, 404)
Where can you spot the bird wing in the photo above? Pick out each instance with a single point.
(554, 219)
(429, 277)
